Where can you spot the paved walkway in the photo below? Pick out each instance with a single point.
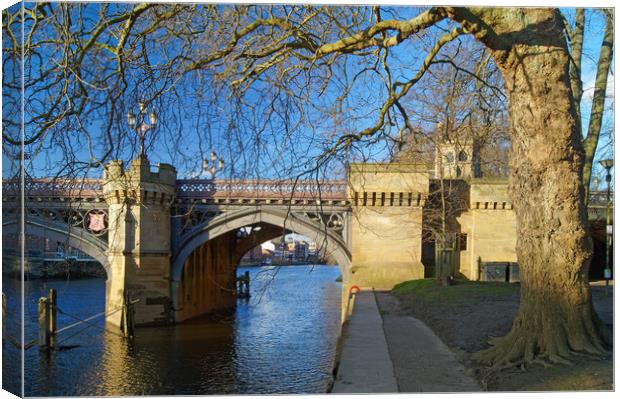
(365, 364)
(395, 353)
(422, 362)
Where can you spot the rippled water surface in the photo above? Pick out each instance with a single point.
(281, 340)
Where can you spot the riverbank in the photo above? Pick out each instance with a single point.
(58, 269)
(425, 334)
(466, 314)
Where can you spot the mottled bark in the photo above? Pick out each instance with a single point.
(555, 318)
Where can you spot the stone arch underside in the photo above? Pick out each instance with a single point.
(205, 261)
(233, 221)
(74, 237)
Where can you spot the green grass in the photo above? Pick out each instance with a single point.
(461, 291)
(414, 286)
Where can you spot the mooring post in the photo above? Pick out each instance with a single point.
(127, 322)
(132, 315)
(52, 311)
(3, 317)
(125, 316)
(246, 276)
(44, 321)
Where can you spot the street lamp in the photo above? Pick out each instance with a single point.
(209, 165)
(139, 124)
(608, 164)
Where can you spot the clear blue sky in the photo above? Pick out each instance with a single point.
(193, 124)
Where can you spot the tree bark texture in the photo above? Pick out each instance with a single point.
(555, 318)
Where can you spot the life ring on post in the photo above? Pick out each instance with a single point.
(354, 287)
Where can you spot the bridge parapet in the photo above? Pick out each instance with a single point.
(285, 190)
(61, 188)
(598, 199)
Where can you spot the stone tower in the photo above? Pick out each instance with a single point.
(457, 159)
(139, 239)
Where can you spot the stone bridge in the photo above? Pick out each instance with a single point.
(175, 244)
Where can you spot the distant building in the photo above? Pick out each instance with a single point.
(301, 250)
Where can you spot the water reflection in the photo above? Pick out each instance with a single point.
(281, 340)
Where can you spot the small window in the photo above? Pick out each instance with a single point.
(462, 156)
(458, 171)
(450, 157)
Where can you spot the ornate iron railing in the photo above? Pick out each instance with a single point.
(195, 188)
(55, 188)
(213, 189)
(262, 189)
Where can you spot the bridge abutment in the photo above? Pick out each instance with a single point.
(139, 240)
(386, 239)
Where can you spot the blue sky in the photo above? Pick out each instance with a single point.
(189, 131)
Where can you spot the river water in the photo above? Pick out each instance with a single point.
(281, 340)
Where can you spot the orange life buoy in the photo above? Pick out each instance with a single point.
(354, 287)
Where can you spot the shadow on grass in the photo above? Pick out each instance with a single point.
(459, 292)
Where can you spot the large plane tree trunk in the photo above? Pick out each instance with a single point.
(555, 318)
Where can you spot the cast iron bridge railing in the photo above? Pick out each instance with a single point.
(92, 190)
(302, 190)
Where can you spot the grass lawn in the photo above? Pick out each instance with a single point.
(466, 314)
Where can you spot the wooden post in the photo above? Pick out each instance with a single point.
(124, 316)
(132, 316)
(3, 317)
(52, 312)
(127, 322)
(44, 338)
(246, 276)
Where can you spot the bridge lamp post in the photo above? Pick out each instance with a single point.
(139, 125)
(608, 164)
(210, 165)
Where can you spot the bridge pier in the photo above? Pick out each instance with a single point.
(139, 240)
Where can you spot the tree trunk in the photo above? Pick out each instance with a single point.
(598, 102)
(555, 317)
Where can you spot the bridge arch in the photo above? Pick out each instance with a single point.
(74, 237)
(273, 221)
(231, 221)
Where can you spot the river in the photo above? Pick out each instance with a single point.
(281, 340)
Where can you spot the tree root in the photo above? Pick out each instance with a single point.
(517, 351)
(557, 359)
(541, 362)
(590, 356)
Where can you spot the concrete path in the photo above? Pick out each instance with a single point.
(422, 362)
(395, 353)
(365, 364)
